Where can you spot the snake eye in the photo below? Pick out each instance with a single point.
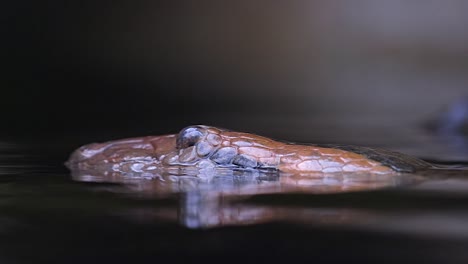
(189, 136)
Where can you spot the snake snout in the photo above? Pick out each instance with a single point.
(189, 136)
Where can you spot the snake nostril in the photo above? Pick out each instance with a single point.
(189, 136)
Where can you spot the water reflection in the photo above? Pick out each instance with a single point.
(216, 198)
(14, 163)
(244, 182)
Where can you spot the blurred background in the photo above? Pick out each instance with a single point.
(281, 68)
(389, 74)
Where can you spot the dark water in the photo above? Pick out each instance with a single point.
(49, 215)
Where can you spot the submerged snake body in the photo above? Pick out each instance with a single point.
(202, 147)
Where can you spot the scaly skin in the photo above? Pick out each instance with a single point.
(203, 147)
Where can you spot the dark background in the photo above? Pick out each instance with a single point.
(141, 67)
(366, 72)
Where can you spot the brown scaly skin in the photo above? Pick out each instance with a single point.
(203, 147)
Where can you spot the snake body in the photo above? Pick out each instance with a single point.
(203, 147)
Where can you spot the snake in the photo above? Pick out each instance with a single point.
(202, 147)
